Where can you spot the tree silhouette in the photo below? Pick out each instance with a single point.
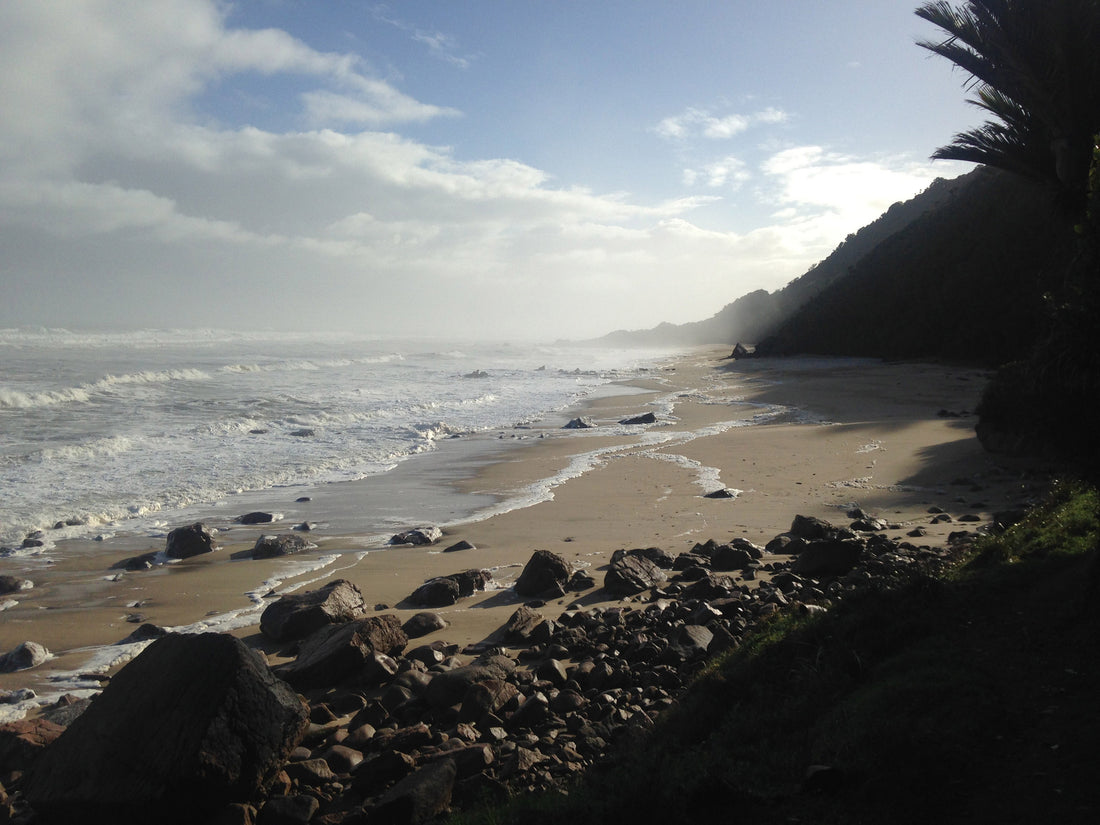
(1033, 65)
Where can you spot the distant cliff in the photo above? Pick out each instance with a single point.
(957, 272)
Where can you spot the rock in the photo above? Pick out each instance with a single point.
(422, 624)
(23, 657)
(810, 528)
(288, 810)
(470, 580)
(419, 536)
(257, 518)
(727, 557)
(22, 742)
(485, 697)
(439, 592)
(725, 492)
(742, 351)
(690, 642)
(631, 572)
(223, 726)
(14, 584)
(520, 624)
(65, 710)
(270, 547)
(827, 558)
(544, 572)
(868, 524)
(297, 615)
(580, 580)
(459, 545)
(418, 797)
(448, 688)
(336, 652)
(192, 540)
(304, 432)
(145, 633)
(644, 418)
(579, 424)
(709, 587)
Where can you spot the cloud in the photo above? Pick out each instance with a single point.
(125, 201)
(693, 123)
(440, 45)
(728, 172)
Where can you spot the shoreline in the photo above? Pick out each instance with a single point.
(758, 427)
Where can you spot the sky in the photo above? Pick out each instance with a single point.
(481, 169)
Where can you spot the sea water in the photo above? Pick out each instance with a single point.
(108, 433)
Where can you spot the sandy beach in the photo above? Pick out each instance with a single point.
(806, 436)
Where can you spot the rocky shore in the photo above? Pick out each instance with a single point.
(349, 720)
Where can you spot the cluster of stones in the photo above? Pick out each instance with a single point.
(375, 729)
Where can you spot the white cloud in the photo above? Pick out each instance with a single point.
(121, 199)
(694, 122)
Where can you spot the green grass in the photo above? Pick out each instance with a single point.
(969, 698)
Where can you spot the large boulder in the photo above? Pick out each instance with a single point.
(631, 572)
(446, 590)
(419, 797)
(439, 592)
(449, 688)
(822, 559)
(272, 547)
(297, 615)
(13, 584)
(23, 657)
(545, 572)
(419, 536)
(22, 742)
(338, 652)
(192, 540)
(193, 724)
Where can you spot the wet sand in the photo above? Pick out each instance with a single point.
(803, 436)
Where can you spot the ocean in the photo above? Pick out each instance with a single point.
(108, 434)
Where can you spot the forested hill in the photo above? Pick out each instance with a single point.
(957, 272)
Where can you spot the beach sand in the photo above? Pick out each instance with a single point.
(806, 436)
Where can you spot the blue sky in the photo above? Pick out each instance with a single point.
(504, 169)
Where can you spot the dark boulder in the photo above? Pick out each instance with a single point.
(297, 615)
(579, 424)
(13, 584)
(728, 557)
(419, 797)
(458, 546)
(545, 572)
(23, 657)
(520, 624)
(256, 518)
(271, 547)
(22, 742)
(631, 572)
(146, 561)
(644, 418)
(439, 592)
(724, 492)
(448, 688)
(827, 558)
(193, 724)
(422, 624)
(298, 809)
(337, 652)
(417, 537)
(192, 540)
(810, 528)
